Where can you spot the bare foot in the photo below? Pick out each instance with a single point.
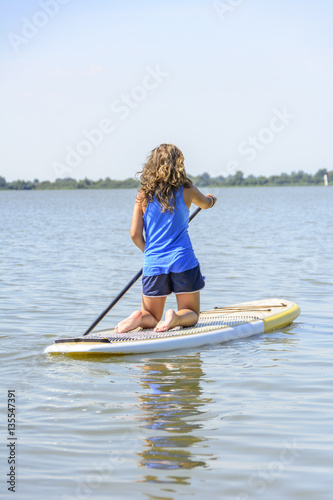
(170, 321)
(130, 323)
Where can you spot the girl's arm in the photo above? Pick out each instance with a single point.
(137, 225)
(193, 195)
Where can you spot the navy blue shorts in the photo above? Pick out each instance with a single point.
(163, 284)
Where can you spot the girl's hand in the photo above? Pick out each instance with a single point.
(213, 198)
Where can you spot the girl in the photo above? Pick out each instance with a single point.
(162, 210)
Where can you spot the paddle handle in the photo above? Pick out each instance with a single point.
(196, 211)
(124, 290)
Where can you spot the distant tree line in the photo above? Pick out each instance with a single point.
(299, 178)
(69, 183)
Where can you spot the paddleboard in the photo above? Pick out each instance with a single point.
(215, 326)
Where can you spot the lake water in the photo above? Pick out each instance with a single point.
(248, 419)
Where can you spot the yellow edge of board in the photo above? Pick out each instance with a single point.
(282, 319)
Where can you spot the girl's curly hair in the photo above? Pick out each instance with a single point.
(162, 175)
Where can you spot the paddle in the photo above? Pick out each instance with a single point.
(127, 287)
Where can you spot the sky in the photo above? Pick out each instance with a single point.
(89, 88)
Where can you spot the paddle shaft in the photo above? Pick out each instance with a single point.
(124, 290)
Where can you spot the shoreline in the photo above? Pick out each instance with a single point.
(208, 186)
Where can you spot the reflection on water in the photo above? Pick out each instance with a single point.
(172, 408)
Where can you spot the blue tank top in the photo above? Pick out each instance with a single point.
(168, 247)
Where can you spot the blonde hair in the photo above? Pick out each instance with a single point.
(162, 175)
